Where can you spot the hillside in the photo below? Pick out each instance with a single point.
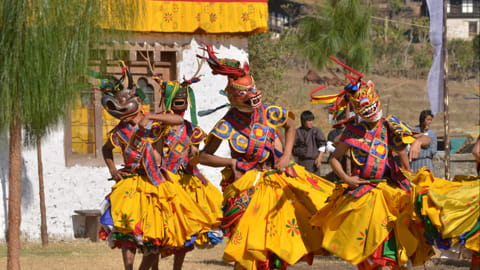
(403, 98)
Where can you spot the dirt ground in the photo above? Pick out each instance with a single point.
(83, 255)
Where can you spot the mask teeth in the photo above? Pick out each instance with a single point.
(254, 101)
(370, 110)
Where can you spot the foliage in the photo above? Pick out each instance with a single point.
(269, 58)
(476, 49)
(422, 60)
(342, 29)
(44, 47)
(389, 43)
(420, 28)
(461, 59)
(396, 6)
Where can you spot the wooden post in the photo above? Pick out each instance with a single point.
(445, 91)
(41, 191)
(349, 157)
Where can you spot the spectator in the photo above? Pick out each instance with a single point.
(308, 140)
(429, 151)
(333, 138)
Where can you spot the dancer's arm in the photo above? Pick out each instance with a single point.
(284, 160)
(404, 159)
(164, 118)
(208, 157)
(416, 146)
(107, 151)
(340, 150)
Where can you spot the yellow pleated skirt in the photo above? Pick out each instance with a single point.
(353, 228)
(207, 197)
(277, 212)
(452, 207)
(164, 216)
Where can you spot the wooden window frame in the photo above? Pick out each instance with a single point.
(472, 28)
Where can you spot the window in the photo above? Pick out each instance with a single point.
(472, 29)
(88, 123)
(467, 6)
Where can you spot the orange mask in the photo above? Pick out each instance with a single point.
(243, 94)
(365, 101)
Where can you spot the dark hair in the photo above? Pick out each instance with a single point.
(424, 115)
(307, 116)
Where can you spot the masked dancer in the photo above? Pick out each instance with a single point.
(268, 200)
(145, 209)
(369, 219)
(180, 152)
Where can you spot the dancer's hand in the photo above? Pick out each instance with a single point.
(354, 181)
(282, 163)
(194, 155)
(118, 175)
(415, 149)
(236, 173)
(144, 122)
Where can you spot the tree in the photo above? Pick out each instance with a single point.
(44, 47)
(461, 59)
(340, 28)
(269, 62)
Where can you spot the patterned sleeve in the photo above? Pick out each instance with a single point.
(401, 133)
(222, 130)
(114, 137)
(158, 129)
(278, 116)
(198, 135)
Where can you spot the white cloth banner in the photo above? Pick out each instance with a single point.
(435, 76)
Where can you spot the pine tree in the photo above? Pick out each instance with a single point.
(339, 28)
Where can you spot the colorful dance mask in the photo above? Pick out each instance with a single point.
(243, 94)
(241, 90)
(362, 96)
(365, 101)
(178, 96)
(119, 101)
(122, 105)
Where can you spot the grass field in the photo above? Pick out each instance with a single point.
(83, 255)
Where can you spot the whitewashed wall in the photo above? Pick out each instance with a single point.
(79, 187)
(458, 28)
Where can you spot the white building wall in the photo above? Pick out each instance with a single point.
(79, 187)
(458, 28)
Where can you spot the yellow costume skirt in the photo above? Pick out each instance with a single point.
(161, 217)
(377, 226)
(209, 199)
(449, 209)
(268, 215)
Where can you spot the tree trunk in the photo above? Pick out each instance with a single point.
(14, 194)
(41, 191)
